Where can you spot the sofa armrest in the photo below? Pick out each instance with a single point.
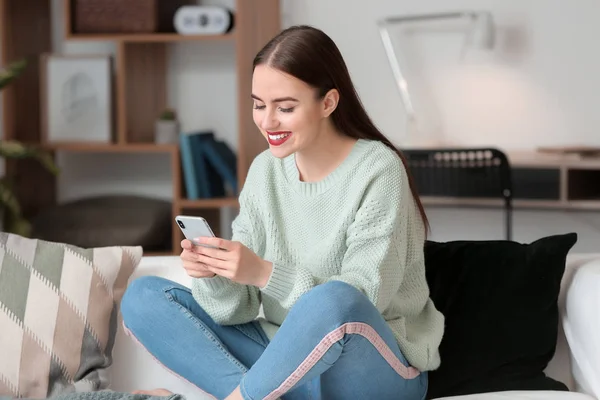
(581, 323)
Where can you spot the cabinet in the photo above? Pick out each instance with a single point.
(544, 181)
(140, 91)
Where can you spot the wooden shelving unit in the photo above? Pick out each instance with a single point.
(140, 89)
(112, 148)
(150, 38)
(209, 203)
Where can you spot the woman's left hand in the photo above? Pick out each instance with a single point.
(234, 261)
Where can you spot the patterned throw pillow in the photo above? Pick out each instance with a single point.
(58, 313)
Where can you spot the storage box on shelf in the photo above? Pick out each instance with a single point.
(132, 16)
(140, 94)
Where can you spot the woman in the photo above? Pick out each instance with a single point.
(329, 240)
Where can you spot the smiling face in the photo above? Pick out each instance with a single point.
(287, 111)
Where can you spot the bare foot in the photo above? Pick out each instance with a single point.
(235, 395)
(154, 392)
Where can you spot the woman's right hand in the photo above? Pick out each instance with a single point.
(192, 266)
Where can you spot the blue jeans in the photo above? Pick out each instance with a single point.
(333, 344)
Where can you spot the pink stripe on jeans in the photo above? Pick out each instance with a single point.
(357, 328)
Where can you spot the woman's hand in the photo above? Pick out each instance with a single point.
(192, 266)
(234, 261)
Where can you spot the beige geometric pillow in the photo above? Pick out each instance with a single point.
(58, 313)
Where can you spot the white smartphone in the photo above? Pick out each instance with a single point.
(194, 227)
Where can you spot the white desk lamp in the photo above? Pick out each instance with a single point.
(480, 35)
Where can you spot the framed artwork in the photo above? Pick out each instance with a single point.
(76, 98)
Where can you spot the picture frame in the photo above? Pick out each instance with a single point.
(76, 94)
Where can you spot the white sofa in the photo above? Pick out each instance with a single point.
(576, 362)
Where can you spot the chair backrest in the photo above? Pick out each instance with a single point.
(460, 172)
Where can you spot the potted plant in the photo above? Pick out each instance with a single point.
(10, 208)
(167, 127)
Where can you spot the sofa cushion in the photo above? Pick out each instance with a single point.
(580, 318)
(58, 309)
(499, 299)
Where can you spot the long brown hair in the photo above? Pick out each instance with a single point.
(308, 54)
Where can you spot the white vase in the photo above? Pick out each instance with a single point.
(166, 132)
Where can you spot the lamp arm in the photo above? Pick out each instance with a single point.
(426, 17)
(392, 55)
(401, 81)
(396, 70)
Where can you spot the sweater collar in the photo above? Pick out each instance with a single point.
(314, 188)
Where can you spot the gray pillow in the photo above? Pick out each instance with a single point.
(122, 220)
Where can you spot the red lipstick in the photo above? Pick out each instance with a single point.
(278, 138)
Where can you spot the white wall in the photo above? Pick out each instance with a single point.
(541, 85)
(448, 223)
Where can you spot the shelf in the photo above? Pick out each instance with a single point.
(112, 148)
(485, 202)
(590, 204)
(533, 159)
(147, 38)
(209, 203)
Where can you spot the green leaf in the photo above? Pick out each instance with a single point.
(8, 200)
(13, 221)
(47, 161)
(14, 149)
(12, 71)
(168, 115)
(20, 226)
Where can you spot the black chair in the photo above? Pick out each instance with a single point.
(463, 173)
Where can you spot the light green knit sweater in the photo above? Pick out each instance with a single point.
(359, 225)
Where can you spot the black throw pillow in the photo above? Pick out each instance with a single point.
(499, 299)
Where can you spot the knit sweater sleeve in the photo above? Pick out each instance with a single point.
(378, 245)
(228, 302)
